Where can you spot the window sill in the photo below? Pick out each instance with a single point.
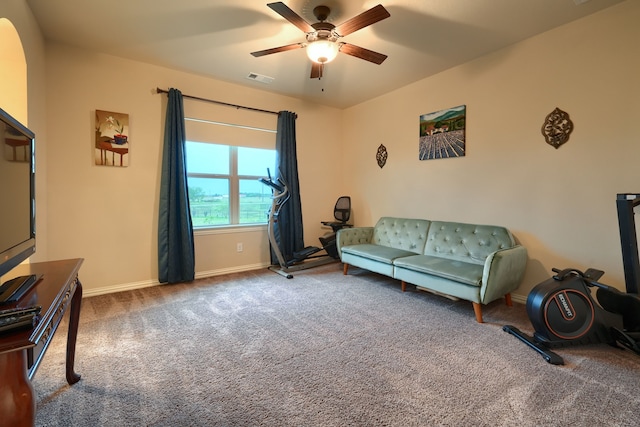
(229, 229)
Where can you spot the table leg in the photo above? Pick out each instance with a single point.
(74, 320)
(17, 402)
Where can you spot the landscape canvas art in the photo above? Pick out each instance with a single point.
(111, 139)
(442, 134)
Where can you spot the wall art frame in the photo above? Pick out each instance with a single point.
(111, 143)
(443, 134)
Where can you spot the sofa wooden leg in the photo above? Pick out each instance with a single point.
(507, 299)
(403, 285)
(477, 308)
(345, 267)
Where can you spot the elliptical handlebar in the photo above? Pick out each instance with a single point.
(280, 192)
(272, 184)
(279, 185)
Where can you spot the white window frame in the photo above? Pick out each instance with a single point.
(234, 136)
(234, 187)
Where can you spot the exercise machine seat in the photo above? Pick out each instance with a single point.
(341, 214)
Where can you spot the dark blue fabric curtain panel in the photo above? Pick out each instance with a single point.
(176, 254)
(289, 225)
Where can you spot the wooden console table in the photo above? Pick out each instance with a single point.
(21, 352)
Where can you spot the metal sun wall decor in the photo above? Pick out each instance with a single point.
(557, 127)
(111, 145)
(381, 155)
(442, 134)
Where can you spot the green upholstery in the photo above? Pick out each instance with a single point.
(463, 272)
(375, 248)
(401, 233)
(478, 263)
(466, 242)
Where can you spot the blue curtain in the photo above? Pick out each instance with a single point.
(176, 254)
(289, 226)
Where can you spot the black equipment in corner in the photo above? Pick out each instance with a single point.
(564, 313)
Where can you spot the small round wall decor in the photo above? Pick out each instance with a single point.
(381, 155)
(557, 127)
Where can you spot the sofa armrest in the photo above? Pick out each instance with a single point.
(353, 236)
(503, 272)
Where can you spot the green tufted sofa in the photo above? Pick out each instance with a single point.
(477, 263)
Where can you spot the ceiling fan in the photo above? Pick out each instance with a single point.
(322, 37)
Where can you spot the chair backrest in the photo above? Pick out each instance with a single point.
(342, 210)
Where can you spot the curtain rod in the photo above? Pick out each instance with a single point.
(158, 90)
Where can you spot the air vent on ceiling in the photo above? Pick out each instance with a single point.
(260, 78)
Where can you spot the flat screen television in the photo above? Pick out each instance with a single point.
(17, 199)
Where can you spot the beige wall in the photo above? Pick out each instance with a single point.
(13, 73)
(559, 203)
(108, 215)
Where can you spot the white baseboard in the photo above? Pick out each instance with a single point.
(221, 271)
(514, 297)
(519, 298)
(148, 283)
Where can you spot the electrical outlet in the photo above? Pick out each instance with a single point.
(239, 247)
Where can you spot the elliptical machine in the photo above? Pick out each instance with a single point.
(564, 313)
(307, 257)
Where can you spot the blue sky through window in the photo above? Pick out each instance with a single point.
(214, 159)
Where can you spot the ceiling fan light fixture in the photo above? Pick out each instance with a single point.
(322, 51)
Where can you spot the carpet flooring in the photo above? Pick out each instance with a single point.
(322, 349)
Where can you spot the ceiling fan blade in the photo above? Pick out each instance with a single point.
(316, 70)
(278, 49)
(371, 16)
(288, 14)
(362, 53)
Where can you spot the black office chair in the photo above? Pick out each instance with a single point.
(341, 213)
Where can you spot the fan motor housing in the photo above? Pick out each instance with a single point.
(321, 12)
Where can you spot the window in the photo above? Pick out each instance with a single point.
(223, 184)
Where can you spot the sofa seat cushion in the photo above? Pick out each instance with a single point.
(378, 253)
(459, 271)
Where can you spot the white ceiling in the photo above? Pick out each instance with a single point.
(215, 37)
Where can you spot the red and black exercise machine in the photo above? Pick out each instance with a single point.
(564, 312)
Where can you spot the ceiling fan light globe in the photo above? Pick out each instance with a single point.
(322, 51)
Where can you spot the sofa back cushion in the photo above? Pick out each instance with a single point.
(466, 242)
(401, 233)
